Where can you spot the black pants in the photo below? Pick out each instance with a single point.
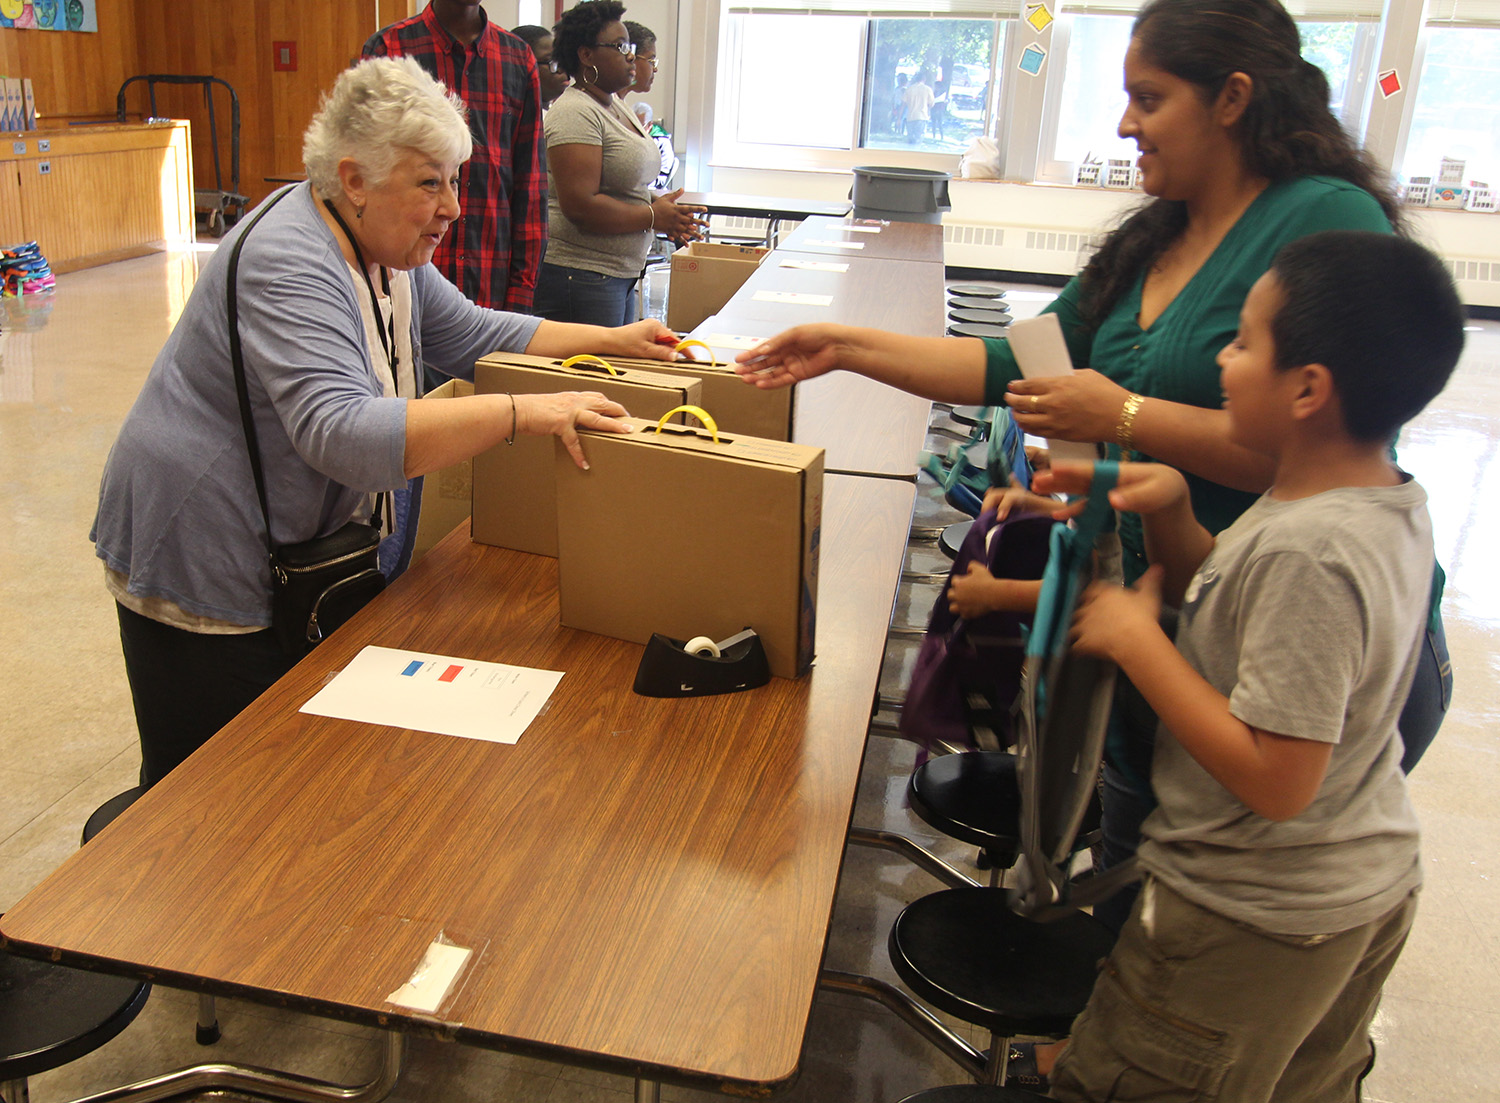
(187, 685)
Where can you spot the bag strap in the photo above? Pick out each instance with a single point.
(1054, 608)
(237, 359)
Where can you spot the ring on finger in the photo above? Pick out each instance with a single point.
(1034, 401)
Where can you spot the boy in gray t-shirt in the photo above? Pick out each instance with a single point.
(1281, 865)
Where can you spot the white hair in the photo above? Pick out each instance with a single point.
(377, 110)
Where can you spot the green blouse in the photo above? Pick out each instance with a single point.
(1175, 358)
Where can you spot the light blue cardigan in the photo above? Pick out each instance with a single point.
(177, 508)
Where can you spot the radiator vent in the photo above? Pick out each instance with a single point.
(955, 233)
(1475, 270)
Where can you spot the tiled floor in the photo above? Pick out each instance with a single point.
(70, 366)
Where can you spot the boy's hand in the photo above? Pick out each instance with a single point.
(1110, 619)
(1142, 487)
(1005, 500)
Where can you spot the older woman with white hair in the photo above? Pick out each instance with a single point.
(338, 311)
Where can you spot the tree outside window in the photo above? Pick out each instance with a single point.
(928, 83)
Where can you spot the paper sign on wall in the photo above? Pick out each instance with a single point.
(1031, 59)
(1039, 17)
(1390, 83)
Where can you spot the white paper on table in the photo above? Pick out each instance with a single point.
(801, 298)
(436, 693)
(816, 265)
(730, 341)
(855, 229)
(1042, 353)
(839, 244)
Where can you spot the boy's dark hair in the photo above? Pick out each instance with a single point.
(1379, 312)
(579, 27)
(531, 34)
(642, 37)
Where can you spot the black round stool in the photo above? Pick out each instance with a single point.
(973, 302)
(976, 329)
(51, 1014)
(965, 952)
(982, 317)
(952, 538)
(974, 1093)
(973, 797)
(105, 814)
(977, 290)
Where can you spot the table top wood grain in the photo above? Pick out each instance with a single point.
(909, 241)
(647, 884)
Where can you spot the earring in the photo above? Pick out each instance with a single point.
(359, 212)
(595, 78)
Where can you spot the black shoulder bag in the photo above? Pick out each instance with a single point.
(317, 584)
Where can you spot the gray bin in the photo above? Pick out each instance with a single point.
(900, 195)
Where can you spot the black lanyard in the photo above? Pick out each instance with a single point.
(392, 356)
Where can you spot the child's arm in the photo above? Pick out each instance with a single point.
(979, 592)
(1174, 538)
(1274, 775)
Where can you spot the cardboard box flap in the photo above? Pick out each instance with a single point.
(731, 446)
(639, 372)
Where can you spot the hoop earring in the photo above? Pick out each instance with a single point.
(595, 78)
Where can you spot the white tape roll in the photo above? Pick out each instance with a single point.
(701, 645)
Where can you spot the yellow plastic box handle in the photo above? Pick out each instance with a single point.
(694, 343)
(698, 412)
(589, 358)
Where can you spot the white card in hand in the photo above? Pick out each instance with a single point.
(1042, 353)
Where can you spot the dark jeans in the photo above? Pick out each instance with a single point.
(188, 685)
(577, 295)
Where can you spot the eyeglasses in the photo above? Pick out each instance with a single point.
(651, 61)
(625, 47)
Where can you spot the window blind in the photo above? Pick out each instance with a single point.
(1313, 11)
(884, 9)
(1463, 13)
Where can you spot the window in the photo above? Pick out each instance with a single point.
(797, 81)
(1457, 113)
(813, 84)
(952, 59)
(1093, 93)
(1093, 97)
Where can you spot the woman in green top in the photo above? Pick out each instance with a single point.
(1240, 154)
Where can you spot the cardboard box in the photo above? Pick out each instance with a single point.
(515, 497)
(705, 276)
(735, 405)
(674, 532)
(445, 493)
(1448, 197)
(28, 104)
(10, 104)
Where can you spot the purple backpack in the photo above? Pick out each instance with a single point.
(968, 672)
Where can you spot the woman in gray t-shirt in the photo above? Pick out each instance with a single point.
(600, 164)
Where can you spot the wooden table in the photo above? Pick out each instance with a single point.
(893, 295)
(758, 206)
(647, 883)
(909, 241)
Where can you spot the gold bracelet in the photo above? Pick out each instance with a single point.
(1125, 431)
(512, 438)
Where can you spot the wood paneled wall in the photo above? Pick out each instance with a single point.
(77, 76)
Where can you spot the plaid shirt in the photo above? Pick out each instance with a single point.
(494, 250)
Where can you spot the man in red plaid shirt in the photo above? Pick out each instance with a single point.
(492, 253)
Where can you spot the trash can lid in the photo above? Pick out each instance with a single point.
(889, 172)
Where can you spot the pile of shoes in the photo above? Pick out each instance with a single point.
(24, 271)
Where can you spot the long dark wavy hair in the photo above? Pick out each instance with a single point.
(1286, 131)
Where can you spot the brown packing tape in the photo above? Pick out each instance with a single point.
(675, 533)
(515, 502)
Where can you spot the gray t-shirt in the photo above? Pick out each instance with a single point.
(1307, 615)
(630, 161)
